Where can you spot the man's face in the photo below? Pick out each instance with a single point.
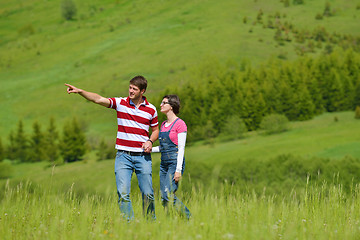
(134, 92)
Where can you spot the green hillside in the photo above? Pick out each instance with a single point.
(312, 143)
(108, 42)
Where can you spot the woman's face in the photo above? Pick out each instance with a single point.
(165, 106)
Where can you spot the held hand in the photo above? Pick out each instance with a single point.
(147, 146)
(177, 177)
(72, 89)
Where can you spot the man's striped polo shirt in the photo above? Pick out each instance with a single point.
(133, 123)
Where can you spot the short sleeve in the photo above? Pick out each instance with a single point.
(181, 126)
(112, 103)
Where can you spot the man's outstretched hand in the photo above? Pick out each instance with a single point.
(72, 89)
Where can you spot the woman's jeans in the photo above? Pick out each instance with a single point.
(168, 186)
(125, 165)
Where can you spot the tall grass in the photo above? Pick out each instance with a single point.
(30, 211)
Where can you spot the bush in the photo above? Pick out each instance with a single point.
(357, 112)
(274, 123)
(318, 16)
(26, 30)
(234, 127)
(279, 175)
(5, 170)
(68, 9)
(298, 2)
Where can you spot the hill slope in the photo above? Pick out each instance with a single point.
(320, 137)
(111, 41)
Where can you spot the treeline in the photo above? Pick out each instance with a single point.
(298, 90)
(278, 175)
(50, 145)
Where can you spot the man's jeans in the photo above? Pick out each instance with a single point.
(125, 165)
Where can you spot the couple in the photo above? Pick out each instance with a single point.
(135, 115)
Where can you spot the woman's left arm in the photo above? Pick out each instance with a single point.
(180, 156)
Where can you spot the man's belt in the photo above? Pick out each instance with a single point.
(134, 153)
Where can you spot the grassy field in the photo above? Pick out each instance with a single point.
(320, 137)
(78, 200)
(30, 212)
(111, 41)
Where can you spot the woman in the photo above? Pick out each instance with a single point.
(172, 140)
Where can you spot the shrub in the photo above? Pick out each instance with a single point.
(26, 30)
(5, 170)
(68, 9)
(245, 20)
(286, 3)
(297, 2)
(234, 127)
(209, 133)
(357, 112)
(318, 16)
(327, 10)
(274, 123)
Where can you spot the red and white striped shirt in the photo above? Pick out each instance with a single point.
(133, 123)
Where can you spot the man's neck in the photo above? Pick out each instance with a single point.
(138, 101)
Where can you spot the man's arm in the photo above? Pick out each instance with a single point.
(147, 146)
(93, 97)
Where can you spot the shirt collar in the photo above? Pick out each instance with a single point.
(130, 102)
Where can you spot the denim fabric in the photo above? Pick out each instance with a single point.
(125, 165)
(168, 186)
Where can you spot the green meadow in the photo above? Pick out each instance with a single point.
(299, 184)
(109, 42)
(322, 212)
(321, 138)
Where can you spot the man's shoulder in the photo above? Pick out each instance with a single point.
(150, 105)
(150, 108)
(120, 100)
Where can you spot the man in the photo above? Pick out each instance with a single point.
(134, 115)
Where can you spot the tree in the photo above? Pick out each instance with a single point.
(73, 142)
(216, 114)
(357, 94)
(335, 92)
(68, 9)
(20, 143)
(10, 150)
(51, 142)
(36, 150)
(2, 151)
(349, 92)
(104, 151)
(254, 107)
(303, 107)
(209, 133)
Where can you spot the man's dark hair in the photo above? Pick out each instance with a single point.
(174, 102)
(139, 81)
